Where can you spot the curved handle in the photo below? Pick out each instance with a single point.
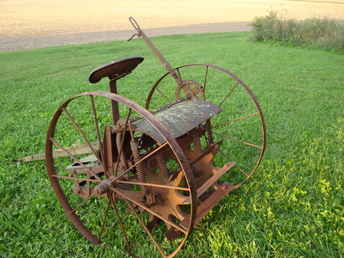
(135, 24)
(155, 51)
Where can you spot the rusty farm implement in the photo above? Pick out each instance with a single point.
(133, 176)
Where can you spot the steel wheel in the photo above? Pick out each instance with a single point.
(239, 129)
(131, 183)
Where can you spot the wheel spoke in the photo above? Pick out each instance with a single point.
(239, 141)
(229, 122)
(96, 122)
(73, 158)
(124, 196)
(120, 147)
(179, 74)
(153, 185)
(81, 132)
(82, 188)
(242, 171)
(230, 93)
(146, 229)
(104, 220)
(164, 95)
(121, 224)
(81, 205)
(138, 162)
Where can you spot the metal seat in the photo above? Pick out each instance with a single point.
(116, 69)
(180, 118)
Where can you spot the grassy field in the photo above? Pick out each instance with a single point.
(293, 206)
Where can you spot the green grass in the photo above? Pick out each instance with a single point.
(316, 32)
(293, 206)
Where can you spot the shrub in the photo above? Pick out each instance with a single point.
(320, 32)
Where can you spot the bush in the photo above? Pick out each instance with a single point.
(320, 32)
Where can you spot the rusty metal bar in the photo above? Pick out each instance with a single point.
(120, 221)
(59, 153)
(95, 118)
(209, 149)
(163, 94)
(81, 132)
(229, 122)
(230, 93)
(120, 148)
(242, 171)
(140, 169)
(124, 196)
(108, 155)
(153, 185)
(239, 141)
(212, 180)
(141, 160)
(204, 207)
(146, 229)
(74, 158)
(156, 52)
(114, 104)
(104, 220)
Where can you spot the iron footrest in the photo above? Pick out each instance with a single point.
(219, 172)
(213, 199)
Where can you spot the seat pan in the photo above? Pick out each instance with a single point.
(116, 69)
(179, 118)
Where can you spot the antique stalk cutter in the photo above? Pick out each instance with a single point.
(147, 175)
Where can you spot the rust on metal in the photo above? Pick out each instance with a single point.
(77, 149)
(221, 191)
(156, 52)
(161, 166)
(180, 118)
(115, 70)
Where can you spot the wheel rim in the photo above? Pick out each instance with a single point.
(122, 193)
(239, 104)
